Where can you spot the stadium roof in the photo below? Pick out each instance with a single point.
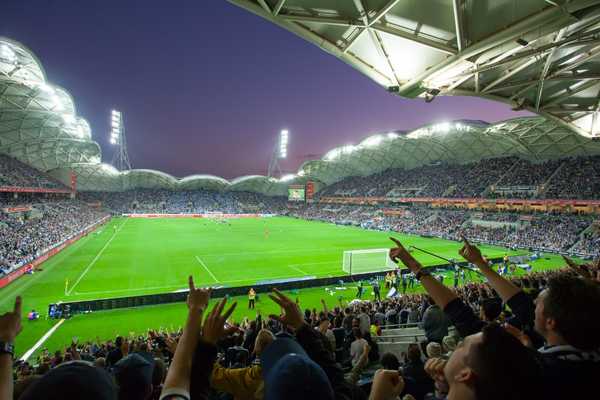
(538, 55)
(39, 126)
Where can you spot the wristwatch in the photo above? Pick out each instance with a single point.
(421, 273)
(7, 348)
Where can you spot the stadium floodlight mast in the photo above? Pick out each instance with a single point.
(279, 152)
(117, 138)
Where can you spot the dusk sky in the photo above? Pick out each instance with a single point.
(205, 86)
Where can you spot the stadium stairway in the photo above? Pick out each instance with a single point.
(397, 340)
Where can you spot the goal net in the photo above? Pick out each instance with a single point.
(364, 261)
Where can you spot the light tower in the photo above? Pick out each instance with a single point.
(117, 138)
(279, 153)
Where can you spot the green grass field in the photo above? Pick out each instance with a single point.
(142, 256)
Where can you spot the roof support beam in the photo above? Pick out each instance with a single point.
(381, 13)
(321, 20)
(547, 64)
(558, 78)
(580, 60)
(549, 19)
(567, 93)
(264, 5)
(432, 44)
(278, 7)
(458, 23)
(510, 72)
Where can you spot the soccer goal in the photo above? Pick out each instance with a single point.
(364, 261)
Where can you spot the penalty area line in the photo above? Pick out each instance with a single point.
(207, 270)
(40, 342)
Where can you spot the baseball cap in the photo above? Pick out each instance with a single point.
(290, 373)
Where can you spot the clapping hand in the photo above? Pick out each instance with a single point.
(400, 253)
(10, 323)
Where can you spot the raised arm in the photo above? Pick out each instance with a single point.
(438, 292)
(505, 288)
(10, 326)
(178, 377)
(461, 315)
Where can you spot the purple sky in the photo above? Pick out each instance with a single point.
(205, 86)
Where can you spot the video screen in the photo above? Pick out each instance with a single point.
(296, 194)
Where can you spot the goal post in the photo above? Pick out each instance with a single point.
(365, 261)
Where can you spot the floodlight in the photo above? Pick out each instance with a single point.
(113, 140)
(392, 135)
(283, 143)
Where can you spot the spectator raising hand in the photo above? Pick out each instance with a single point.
(400, 253)
(214, 325)
(472, 254)
(10, 323)
(291, 313)
(10, 326)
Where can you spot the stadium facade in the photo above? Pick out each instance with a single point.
(39, 126)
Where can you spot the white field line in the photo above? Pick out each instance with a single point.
(183, 286)
(297, 269)
(41, 341)
(91, 264)
(207, 270)
(287, 251)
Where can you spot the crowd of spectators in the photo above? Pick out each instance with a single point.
(479, 337)
(578, 177)
(16, 174)
(575, 178)
(188, 202)
(27, 235)
(542, 231)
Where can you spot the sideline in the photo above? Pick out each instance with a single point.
(40, 342)
(68, 293)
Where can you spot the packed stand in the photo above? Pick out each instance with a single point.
(14, 173)
(188, 202)
(544, 232)
(49, 223)
(577, 177)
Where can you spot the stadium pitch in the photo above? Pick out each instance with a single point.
(130, 256)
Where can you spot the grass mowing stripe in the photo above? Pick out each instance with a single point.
(207, 270)
(91, 264)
